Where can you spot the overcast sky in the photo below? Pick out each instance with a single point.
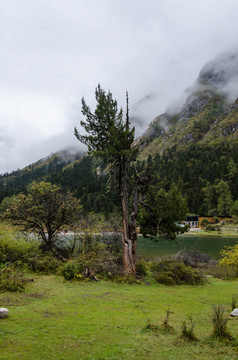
(53, 52)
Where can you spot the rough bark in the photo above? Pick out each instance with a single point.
(127, 241)
(129, 222)
(132, 225)
(129, 235)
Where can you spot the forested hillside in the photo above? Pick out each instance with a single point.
(198, 146)
(195, 147)
(85, 176)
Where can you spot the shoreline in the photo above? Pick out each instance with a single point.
(200, 232)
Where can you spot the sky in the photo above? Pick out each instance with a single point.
(54, 52)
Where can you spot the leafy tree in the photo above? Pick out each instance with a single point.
(210, 197)
(224, 200)
(45, 210)
(234, 209)
(163, 212)
(232, 169)
(6, 202)
(112, 139)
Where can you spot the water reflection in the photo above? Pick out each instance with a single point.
(211, 245)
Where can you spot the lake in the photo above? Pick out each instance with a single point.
(211, 245)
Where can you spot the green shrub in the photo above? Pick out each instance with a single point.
(16, 247)
(141, 268)
(210, 227)
(220, 323)
(72, 270)
(171, 272)
(43, 263)
(11, 280)
(23, 250)
(102, 265)
(106, 265)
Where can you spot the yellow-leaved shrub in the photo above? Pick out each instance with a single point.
(229, 256)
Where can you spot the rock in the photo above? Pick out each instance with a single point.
(3, 313)
(234, 312)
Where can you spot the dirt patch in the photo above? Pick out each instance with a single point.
(18, 299)
(48, 313)
(7, 300)
(36, 296)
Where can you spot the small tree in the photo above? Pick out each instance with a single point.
(45, 210)
(162, 213)
(225, 199)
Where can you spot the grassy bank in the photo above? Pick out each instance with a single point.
(233, 232)
(55, 319)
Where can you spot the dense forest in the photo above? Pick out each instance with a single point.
(199, 171)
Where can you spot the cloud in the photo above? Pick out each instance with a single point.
(54, 52)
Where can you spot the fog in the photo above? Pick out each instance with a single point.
(54, 52)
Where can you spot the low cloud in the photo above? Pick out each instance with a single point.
(53, 53)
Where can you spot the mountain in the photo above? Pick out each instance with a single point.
(208, 115)
(198, 145)
(195, 146)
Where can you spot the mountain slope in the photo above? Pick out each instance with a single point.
(210, 113)
(198, 146)
(17, 180)
(81, 174)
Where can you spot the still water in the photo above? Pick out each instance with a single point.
(211, 245)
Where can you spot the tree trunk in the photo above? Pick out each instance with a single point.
(128, 242)
(132, 225)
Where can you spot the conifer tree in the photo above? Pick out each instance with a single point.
(112, 139)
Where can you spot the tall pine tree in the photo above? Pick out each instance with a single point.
(112, 139)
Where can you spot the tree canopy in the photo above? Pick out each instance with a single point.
(164, 210)
(108, 136)
(45, 209)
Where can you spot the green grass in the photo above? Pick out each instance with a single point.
(55, 319)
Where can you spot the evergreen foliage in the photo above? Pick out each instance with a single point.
(163, 211)
(198, 170)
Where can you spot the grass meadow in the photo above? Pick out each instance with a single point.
(56, 319)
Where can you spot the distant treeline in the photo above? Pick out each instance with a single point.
(197, 169)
